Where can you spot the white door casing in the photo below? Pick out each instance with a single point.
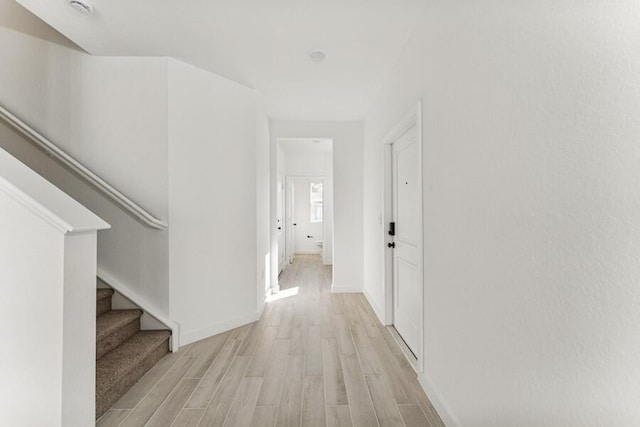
(280, 222)
(306, 233)
(290, 241)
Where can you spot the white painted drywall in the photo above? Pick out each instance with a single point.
(110, 114)
(264, 45)
(15, 16)
(212, 198)
(531, 208)
(79, 329)
(30, 368)
(347, 193)
(327, 231)
(263, 219)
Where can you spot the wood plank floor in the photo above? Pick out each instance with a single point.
(313, 359)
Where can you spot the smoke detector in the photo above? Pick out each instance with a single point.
(317, 55)
(82, 6)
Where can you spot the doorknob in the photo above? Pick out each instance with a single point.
(279, 228)
(391, 245)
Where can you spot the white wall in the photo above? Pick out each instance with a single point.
(263, 219)
(212, 198)
(111, 114)
(115, 116)
(16, 17)
(31, 365)
(347, 193)
(531, 208)
(327, 231)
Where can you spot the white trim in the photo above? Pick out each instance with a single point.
(441, 407)
(411, 119)
(387, 216)
(34, 206)
(374, 306)
(152, 311)
(263, 304)
(83, 172)
(218, 328)
(287, 180)
(346, 289)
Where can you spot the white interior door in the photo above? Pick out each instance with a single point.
(407, 200)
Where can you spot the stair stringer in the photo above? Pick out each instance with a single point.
(144, 305)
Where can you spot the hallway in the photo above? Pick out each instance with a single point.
(313, 359)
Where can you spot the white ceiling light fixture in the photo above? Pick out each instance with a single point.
(317, 55)
(83, 6)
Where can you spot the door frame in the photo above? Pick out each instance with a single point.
(290, 252)
(280, 180)
(410, 120)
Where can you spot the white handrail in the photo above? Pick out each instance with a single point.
(50, 148)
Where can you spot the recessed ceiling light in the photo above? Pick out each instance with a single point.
(317, 55)
(82, 6)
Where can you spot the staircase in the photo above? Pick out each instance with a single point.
(124, 353)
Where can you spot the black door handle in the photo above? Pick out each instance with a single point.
(279, 228)
(391, 245)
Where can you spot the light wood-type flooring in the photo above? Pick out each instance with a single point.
(313, 359)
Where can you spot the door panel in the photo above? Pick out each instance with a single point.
(406, 213)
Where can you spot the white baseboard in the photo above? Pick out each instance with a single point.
(442, 408)
(148, 308)
(376, 308)
(346, 289)
(263, 304)
(218, 328)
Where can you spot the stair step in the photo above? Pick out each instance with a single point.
(103, 300)
(114, 327)
(122, 367)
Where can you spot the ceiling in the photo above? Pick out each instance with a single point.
(263, 44)
(306, 145)
(17, 18)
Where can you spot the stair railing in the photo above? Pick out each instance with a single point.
(82, 171)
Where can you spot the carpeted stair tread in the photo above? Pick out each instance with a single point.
(113, 320)
(103, 293)
(103, 301)
(124, 359)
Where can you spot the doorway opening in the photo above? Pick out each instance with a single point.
(403, 237)
(304, 199)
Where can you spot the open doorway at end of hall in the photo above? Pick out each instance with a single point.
(304, 213)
